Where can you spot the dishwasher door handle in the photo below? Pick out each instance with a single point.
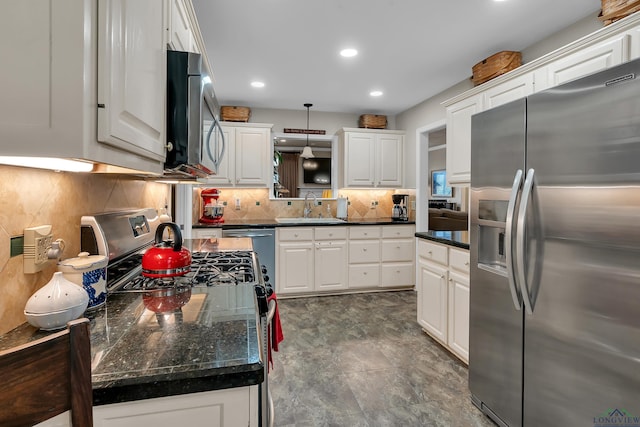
(228, 234)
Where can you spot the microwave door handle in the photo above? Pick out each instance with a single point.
(224, 143)
(520, 240)
(509, 235)
(208, 142)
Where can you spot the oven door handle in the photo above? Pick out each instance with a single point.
(271, 312)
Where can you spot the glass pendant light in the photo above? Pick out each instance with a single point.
(306, 152)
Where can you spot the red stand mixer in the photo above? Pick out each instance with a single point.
(211, 210)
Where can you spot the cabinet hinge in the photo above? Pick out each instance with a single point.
(101, 106)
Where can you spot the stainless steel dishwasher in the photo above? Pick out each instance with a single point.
(264, 244)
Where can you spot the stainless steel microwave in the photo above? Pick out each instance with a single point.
(195, 141)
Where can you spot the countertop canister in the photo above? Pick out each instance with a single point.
(90, 272)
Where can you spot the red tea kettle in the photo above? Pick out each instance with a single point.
(166, 258)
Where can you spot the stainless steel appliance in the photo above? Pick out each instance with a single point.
(195, 141)
(264, 244)
(399, 211)
(555, 244)
(125, 236)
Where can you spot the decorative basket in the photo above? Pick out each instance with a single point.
(613, 10)
(495, 65)
(372, 121)
(235, 114)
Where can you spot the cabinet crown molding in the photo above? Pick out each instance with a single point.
(617, 28)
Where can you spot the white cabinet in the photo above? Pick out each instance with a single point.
(336, 258)
(583, 62)
(330, 258)
(222, 408)
(516, 88)
(180, 33)
(364, 256)
(372, 158)
(132, 76)
(432, 299)
(76, 89)
(604, 48)
(397, 256)
(443, 295)
(381, 256)
(294, 260)
(247, 158)
(459, 139)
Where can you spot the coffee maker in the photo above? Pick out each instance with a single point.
(399, 212)
(211, 210)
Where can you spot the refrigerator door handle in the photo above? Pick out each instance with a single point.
(520, 240)
(511, 207)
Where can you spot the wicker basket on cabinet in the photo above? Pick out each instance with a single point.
(372, 121)
(235, 114)
(613, 10)
(495, 65)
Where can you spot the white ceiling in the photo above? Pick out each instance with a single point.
(409, 49)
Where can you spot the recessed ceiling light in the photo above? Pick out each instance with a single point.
(257, 84)
(348, 53)
(375, 93)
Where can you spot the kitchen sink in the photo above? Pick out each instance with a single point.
(303, 220)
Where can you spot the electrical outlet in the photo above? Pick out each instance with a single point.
(237, 204)
(373, 204)
(37, 241)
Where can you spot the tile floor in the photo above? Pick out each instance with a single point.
(363, 360)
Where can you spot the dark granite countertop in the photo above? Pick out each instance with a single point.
(210, 343)
(269, 223)
(459, 239)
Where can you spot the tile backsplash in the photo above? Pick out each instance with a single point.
(32, 197)
(255, 204)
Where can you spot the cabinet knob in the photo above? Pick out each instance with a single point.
(364, 250)
(466, 263)
(365, 273)
(398, 271)
(442, 276)
(295, 235)
(450, 279)
(397, 247)
(429, 252)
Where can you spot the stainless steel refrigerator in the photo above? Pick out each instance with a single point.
(555, 255)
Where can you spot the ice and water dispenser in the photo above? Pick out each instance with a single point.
(492, 215)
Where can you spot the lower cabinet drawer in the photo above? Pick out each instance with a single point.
(364, 251)
(399, 274)
(398, 250)
(364, 276)
(432, 251)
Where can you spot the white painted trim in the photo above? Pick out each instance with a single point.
(422, 174)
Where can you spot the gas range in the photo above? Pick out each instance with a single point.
(125, 235)
(207, 269)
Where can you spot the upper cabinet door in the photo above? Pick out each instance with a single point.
(360, 159)
(180, 35)
(253, 162)
(132, 76)
(516, 88)
(586, 61)
(459, 139)
(389, 164)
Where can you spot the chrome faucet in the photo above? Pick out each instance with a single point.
(307, 205)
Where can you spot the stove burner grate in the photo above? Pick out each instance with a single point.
(207, 269)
